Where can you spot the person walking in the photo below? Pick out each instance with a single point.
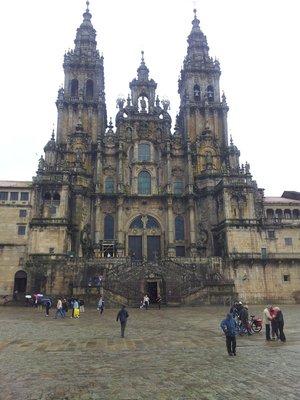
(280, 324)
(228, 325)
(122, 317)
(100, 305)
(81, 305)
(48, 306)
(59, 310)
(267, 318)
(76, 308)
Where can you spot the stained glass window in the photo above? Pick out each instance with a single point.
(144, 183)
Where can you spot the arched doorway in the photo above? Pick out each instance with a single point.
(144, 238)
(20, 281)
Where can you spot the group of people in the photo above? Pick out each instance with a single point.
(273, 320)
(274, 323)
(63, 306)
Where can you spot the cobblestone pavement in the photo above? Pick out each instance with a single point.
(171, 354)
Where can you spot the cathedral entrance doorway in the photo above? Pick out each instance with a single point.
(144, 238)
(20, 282)
(152, 291)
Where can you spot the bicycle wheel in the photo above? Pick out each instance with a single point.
(256, 328)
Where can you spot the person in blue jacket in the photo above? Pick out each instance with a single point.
(228, 326)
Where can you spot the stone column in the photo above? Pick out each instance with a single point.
(216, 124)
(192, 221)
(169, 169)
(98, 171)
(120, 230)
(170, 223)
(225, 127)
(120, 169)
(189, 168)
(98, 221)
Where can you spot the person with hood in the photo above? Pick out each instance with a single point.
(122, 317)
(280, 324)
(228, 326)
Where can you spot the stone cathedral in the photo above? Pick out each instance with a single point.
(137, 206)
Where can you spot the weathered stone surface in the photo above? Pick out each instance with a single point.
(173, 353)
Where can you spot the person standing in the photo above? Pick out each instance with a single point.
(280, 324)
(64, 306)
(267, 318)
(122, 317)
(76, 308)
(59, 310)
(146, 301)
(274, 327)
(81, 305)
(228, 326)
(244, 316)
(101, 305)
(48, 306)
(158, 301)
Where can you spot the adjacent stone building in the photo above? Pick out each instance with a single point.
(141, 207)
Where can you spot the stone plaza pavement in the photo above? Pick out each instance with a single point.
(171, 354)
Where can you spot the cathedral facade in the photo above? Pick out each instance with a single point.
(137, 206)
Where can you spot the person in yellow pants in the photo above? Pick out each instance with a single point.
(76, 309)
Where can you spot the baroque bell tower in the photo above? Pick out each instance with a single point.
(64, 185)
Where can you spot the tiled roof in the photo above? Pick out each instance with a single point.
(280, 200)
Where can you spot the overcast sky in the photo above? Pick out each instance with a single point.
(256, 42)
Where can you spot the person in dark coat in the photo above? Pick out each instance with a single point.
(122, 317)
(280, 324)
(48, 306)
(244, 317)
(228, 326)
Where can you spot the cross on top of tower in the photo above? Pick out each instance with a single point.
(87, 5)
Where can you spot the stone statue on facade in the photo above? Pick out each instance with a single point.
(86, 242)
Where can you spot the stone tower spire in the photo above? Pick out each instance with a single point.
(200, 105)
(85, 41)
(82, 98)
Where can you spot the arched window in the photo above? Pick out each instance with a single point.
(179, 228)
(197, 93)
(270, 213)
(144, 152)
(109, 227)
(296, 214)
(144, 183)
(137, 223)
(210, 93)
(152, 223)
(109, 185)
(178, 187)
(278, 214)
(89, 89)
(74, 88)
(56, 197)
(287, 214)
